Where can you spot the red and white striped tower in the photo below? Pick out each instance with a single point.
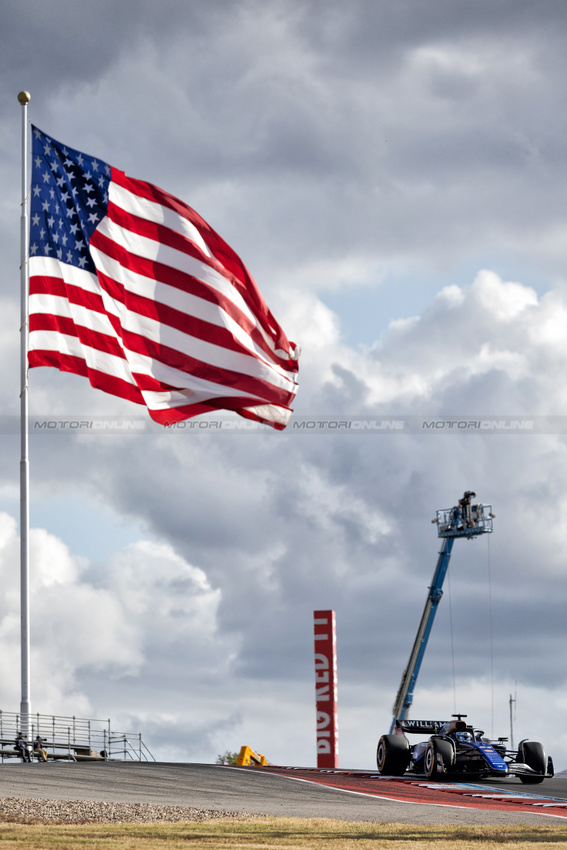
(327, 735)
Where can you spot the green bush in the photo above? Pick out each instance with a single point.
(227, 758)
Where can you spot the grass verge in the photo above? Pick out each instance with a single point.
(268, 833)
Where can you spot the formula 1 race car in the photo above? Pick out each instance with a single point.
(455, 749)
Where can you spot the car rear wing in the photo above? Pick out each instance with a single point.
(418, 727)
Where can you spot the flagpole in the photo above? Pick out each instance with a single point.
(24, 99)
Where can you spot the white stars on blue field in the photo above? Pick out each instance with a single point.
(69, 197)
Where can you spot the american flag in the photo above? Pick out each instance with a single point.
(132, 289)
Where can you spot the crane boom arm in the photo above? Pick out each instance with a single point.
(404, 696)
(464, 520)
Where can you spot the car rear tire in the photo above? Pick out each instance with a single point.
(437, 750)
(533, 754)
(393, 755)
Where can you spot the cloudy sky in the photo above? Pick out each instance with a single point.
(393, 174)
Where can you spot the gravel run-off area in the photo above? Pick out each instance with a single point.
(86, 811)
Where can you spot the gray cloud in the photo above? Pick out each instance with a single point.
(334, 146)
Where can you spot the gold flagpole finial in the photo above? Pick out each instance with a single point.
(24, 97)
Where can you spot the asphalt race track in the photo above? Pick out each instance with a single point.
(292, 792)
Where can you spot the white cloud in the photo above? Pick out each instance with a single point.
(107, 618)
(167, 597)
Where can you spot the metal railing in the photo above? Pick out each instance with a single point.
(77, 735)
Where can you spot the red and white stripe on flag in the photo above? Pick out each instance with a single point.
(131, 288)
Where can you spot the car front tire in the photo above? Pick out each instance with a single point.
(393, 755)
(437, 751)
(533, 754)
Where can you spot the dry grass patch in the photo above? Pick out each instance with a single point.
(275, 834)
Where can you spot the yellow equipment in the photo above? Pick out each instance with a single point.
(247, 757)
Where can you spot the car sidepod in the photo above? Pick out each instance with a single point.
(494, 761)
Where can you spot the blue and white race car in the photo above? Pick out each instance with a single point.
(455, 749)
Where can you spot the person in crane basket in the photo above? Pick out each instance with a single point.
(465, 510)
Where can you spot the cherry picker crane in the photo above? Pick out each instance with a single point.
(464, 520)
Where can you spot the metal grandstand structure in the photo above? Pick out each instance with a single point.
(73, 738)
